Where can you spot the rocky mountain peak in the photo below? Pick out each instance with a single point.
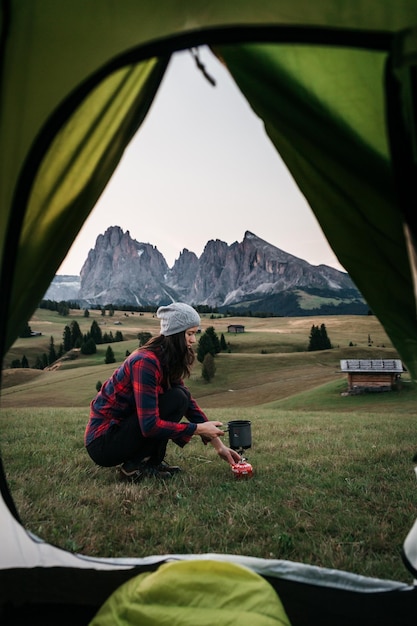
(120, 270)
(252, 274)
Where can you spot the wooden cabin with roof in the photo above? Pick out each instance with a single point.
(372, 374)
(235, 328)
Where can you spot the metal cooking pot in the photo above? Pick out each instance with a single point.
(240, 437)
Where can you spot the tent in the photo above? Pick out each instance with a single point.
(335, 83)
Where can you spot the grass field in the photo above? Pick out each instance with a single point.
(333, 482)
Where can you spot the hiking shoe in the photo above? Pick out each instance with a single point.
(165, 467)
(142, 471)
(157, 472)
(134, 476)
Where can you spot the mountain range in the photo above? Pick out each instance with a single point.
(252, 276)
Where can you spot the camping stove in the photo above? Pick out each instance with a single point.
(242, 469)
(240, 439)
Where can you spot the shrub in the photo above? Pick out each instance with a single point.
(209, 367)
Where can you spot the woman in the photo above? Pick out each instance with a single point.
(140, 407)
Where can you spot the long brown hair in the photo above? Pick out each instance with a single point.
(176, 358)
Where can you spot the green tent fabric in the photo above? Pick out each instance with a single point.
(320, 90)
(194, 592)
(79, 162)
(335, 85)
(331, 131)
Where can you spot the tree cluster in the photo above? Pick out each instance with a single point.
(318, 339)
(209, 343)
(43, 360)
(62, 307)
(72, 338)
(208, 346)
(88, 342)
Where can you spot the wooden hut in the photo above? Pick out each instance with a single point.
(372, 374)
(235, 328)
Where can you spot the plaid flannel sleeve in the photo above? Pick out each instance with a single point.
(147, 385)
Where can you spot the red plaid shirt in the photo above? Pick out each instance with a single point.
(134, 388)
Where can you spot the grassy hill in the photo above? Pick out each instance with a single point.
(268, 362)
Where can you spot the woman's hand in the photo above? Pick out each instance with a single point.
(228, 455)
(209, 430)
(225, 453)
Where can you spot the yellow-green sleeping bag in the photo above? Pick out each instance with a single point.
(194, 593)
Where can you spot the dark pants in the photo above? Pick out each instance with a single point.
(124, 442)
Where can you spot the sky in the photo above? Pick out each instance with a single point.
(201, 167)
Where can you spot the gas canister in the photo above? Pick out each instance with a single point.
(242, 469)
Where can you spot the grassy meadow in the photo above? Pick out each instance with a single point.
(333, 481)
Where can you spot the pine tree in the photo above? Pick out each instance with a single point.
(315, 339)
(66, 339)
(108, 337)
(89, 346)
(209, 367)
(325, 341)
(25, 362)
(205, 346)
(223, 343)
(109, 358)
(118, 336)
(76, 334)
(214, 338)
(95, 333)
(52, 352)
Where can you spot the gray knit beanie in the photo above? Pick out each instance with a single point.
(177, 317)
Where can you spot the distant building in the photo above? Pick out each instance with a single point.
(372, 374)
(235, 328)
